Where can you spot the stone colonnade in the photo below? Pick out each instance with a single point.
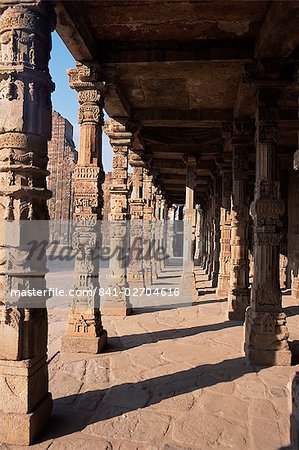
(219, 230)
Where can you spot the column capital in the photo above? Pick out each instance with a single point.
(86, 80)
(242, 131)
(85, 77)
(136, 158)
(117, 132)
(190, 161)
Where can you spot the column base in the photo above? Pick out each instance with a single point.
(188, 286)
(223, 286)
(116, 310)
(238, 302)
(268, 357)
(266, 337)
(81, 344)
(136, 283)
(117, 305)
(22, 429)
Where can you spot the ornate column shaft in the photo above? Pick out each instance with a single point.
(210, 237)
(137, 203)
(116, 301)
(170, 230)
(148, 210)
(162, 231)
(120, 141)
(202, 239)
(266, 339)
(225, 226)
(25, 129)
(157, 228)
(148, 226)
(294, 189)
(85, 332)
(216, 230)
(239, 295)
(188, 278)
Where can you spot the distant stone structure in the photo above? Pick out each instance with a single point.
(62, 160)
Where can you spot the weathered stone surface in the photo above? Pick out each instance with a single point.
(266, 333)
(62, 160)
(85, 332)
(25, 129)
(82, 344)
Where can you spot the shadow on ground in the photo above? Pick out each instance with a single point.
(135, 340)
(73, 413)
(291, 311)
(170, 306)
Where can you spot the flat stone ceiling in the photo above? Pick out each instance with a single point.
(176, 69)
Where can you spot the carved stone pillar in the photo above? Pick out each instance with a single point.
(216, 230)
(266, 338)
(293, 231)
(116, 301)
(148, 209)
(85, 332)
(137, 203)
(197, 236)
(203, 239)
(188, 277)
(225, 226)
(120, 141)
(148, 226)
(239, 295)
(283, 268)
(156, 229)
(210, 238)
(170, 231)
(25, 129)
(162, 232)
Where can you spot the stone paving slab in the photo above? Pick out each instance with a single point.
(172, 379)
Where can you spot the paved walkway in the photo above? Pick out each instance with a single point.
(171, 379)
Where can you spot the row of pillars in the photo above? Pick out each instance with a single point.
(224, 235)
(25, 129)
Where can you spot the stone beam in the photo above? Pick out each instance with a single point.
(206, 118)
(116, 104)
(279, 32)
(183, 136)
(178, 164)
(72, 27)
(175, 151)
(174, 51)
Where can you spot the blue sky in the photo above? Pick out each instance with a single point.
(65, 99)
